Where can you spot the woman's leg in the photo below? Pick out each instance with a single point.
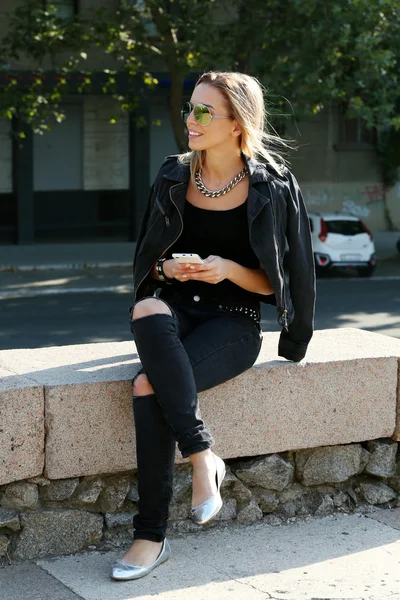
(155, 445)
(217, 352)
(155, 452)
(167, 366)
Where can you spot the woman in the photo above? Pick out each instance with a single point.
(204, 327)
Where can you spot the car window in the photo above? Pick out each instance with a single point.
(345, 227)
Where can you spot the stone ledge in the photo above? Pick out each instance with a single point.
(345, 391)
(21, 427)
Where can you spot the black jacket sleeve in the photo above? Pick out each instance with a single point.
(293, 343)
(143, 226)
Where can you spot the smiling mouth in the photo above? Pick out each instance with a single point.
(194, 134)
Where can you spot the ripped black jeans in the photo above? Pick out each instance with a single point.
(195, 349)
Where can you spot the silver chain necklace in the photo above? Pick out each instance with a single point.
(227, 188)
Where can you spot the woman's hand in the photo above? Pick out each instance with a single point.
(175, 270)
(214, 270)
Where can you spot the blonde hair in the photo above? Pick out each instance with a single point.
(245, 98)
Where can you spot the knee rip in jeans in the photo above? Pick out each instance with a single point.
(149, 307)
(141, 385)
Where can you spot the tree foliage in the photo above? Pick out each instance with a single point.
(307, 53)
(51, 43)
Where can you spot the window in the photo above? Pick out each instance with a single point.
(65, 9)
(344, 227)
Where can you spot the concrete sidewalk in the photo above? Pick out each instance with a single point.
(66, 256)
(116, 254)
(351, 557)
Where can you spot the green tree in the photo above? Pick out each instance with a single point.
(139, 37)
(51, 43)
(307, 53)
(345, 53)
(164, 35)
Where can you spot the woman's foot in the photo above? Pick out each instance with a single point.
(203, 479)
(142, 553)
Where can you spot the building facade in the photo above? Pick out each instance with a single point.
(88, 180)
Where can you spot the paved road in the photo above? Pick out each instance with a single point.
(78, 306)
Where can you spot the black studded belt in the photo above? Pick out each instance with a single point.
(247, 309)
(241, 309)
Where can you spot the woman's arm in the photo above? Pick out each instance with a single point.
(172, 269)
(252, 280)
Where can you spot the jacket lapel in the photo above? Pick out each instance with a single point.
(256, 200)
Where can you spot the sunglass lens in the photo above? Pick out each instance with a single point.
(186, 110)
(202, 114)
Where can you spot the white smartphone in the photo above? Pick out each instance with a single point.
(183, 258)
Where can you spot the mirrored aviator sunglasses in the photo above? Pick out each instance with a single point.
(201, 113)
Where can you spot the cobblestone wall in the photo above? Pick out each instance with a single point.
(40, 517)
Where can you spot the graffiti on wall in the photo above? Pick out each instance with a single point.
(358, 202)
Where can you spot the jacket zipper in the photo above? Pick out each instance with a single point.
(283, 318)
(171, 244)
(166, 218)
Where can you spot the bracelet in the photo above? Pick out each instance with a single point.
(160, 271)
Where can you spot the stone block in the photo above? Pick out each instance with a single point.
(249, 514)
(90, 429)
(21, 496)
(326, 507)
(10, 520)
(340, 499)
(133, 494)
(88, 390)
(272, 520)
(330, 464)
(228, 511)
(382, 461)
(267, 501)
(182, 485)
(54, 532)
(272, 473)
(396, 435)
(88, 492)
(232, 486)
(22, 438)
(59, 490)
(4, 543)
(118, 520)
(114, 493)
(377, 493)
(394, 481)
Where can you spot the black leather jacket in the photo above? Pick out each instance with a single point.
(276, 215)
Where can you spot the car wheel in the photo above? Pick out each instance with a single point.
(367, 272)
(320, 272)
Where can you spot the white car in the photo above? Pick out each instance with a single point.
(341, 240)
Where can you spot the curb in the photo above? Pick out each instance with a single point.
(64, 266)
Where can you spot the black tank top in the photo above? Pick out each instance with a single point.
(222, 233)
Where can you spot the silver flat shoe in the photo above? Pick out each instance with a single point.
(207, 510)
(123, 571)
